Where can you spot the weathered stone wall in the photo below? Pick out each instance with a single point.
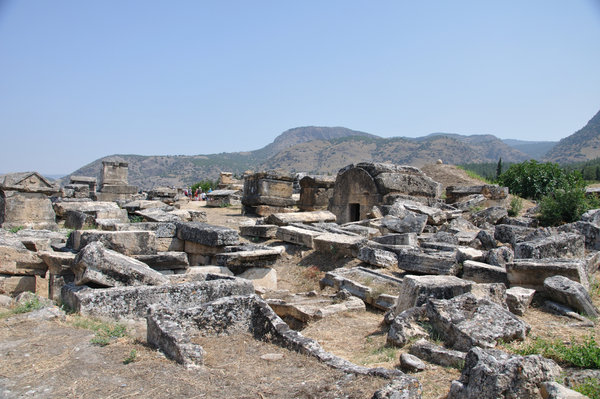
(32, 210)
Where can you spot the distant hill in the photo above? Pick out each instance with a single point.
(312, 150)
(582, 145)
(535, 149)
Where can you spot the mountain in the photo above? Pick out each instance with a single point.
(328, 156)
(310, 149)
(535, 149)
(582, 145)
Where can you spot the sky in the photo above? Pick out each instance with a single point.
(80, 80)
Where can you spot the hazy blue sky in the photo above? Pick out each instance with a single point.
(83, 79)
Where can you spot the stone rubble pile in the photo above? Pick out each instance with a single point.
(437, 269)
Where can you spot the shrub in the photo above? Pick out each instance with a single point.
(516, 204)
(531, 179)
(565, 206)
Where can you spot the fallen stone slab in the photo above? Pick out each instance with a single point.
(495, 292)
(564, 310)
(160, 229)
(489, 191)
(365, 231)
(165, 260)
(219, 270)
(518, 299)
(79, 220)
(284, 219)
(411, 223)
(378, 257)
(246, 256)
(259, 230)
(261, 277)
(465, 321)
(407, 326)
(563, 245)
(99, 266)
(15, 259)
(417, 290)
(492, 373)
(592, 216)
(490, 215)
(532, 273)
(305, 307)
(170, 244)
(133, 302)
(157, 215)
(297, 235)
(400, 388)
(415, 260)
(206, 234)
(569, 292)
(125, 242)
(411, 363)
(439, 246)
(397, 239)
(14, 285)
(59, 271)
(511, 234)
(338, 244)
(590, 232)
(376, 289)
(483, 273)
(435, 216)
(171, 331)
(554, 390)
(98, 209)
(437, 354)
(499, 256)
(468, 253)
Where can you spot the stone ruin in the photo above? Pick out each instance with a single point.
(24, 201)
(315, 192)
(468, 276)
(268, 192)
(114, 183)
(360, 187)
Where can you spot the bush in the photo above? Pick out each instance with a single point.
(516, 204)
(565, 206)
(531, 179)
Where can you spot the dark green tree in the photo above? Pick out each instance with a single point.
(499, 168)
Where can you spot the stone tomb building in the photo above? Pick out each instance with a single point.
(359, 187)
(266, 193)
(315, 192)
(114, 183)
(25, 202)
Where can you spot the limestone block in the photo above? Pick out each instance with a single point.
(161, 230)
(169, 244)
(165, 260)
(16, 260)
(532, 273)
(492, 373)
(338, 244)
(563, 245)
(518, 299)
(569, 292)
(411, 223)
(590, 231)
(483, 273)
(414, 260)
(405, 327)
(297, 235)
(98, 265)
(398, 239)
(125, 242)
(206, 234)
(416, 290)
(248, 256)
(284, 219)
(378, 257)
(511, 234)
(489, 215)
(465, 321)
(209, 270)
(259, 230)
(437, 354)
(468, 253)
(554, 390)
(133, 302)
(98, 209)
(158, 215)
(26, 209)
(14, 285)
(261, 277)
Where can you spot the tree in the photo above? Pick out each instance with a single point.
(499, 168)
